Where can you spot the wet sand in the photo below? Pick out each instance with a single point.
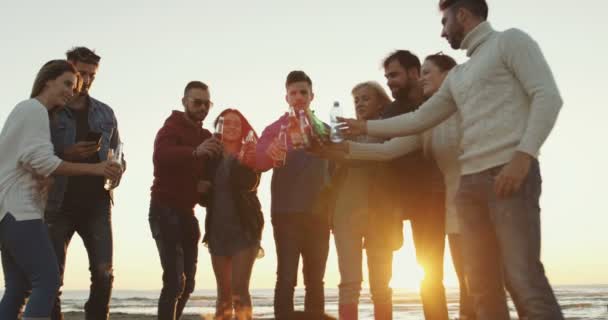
(123, 316)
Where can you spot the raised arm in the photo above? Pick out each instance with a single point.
(168, 152)
(438, 108)
(37, 153)
(385, 151)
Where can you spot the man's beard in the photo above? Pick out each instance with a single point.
(402, 93)
(457, 38)
(456, 43)
(195, 115)
(84, 92)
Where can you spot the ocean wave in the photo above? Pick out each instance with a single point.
(577, 302)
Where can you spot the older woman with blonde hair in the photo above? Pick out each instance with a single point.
(364, 219)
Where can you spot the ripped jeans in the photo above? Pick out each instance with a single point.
(176, 233)
(92, 221)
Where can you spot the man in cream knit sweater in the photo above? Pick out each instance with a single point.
(509, 102)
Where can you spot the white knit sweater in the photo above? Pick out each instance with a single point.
(25, 151)
(505, 94)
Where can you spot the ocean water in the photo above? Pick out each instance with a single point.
(578, 302)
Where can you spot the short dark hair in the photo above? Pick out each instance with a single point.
(405, 58)
(442, 61)
(476, 7)
(83, 54)
(297, 76)
(50, 71)
(195, 85)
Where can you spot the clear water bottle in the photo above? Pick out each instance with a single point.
(334, 135)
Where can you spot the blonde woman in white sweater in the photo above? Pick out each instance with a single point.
(508, 101)
(26, 163)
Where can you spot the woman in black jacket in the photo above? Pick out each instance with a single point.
(234, 221)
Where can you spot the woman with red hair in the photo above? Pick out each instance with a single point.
(234, 221)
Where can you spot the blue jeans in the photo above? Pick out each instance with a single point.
(176, 233)
(93, 222)
(507, 231)
(29, 265)
(295, 235)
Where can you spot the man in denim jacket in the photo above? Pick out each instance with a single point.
(81, 204)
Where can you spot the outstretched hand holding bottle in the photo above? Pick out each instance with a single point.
(248, 150)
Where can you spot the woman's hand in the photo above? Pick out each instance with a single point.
(249, 154)
(108, 169)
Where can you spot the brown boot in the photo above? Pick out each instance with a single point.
(348, 311)
(383, 311)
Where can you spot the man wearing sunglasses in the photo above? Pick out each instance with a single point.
(181, 151)
(83, 132)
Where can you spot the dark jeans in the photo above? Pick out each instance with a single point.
(177, 234)
(428, 228)
(29, 265)
(510, 227)
(295, 235)
(93, 222)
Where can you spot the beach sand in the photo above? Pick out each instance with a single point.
(123, 316)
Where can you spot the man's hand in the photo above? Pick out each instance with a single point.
(124, 168)
(350, 128)
(80, 151)
(512, 175)
(210, 148)
(42, 188)
(296, 139)
(276, 151)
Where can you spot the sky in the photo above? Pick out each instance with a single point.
(244, 49)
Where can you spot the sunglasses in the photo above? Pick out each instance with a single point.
(200, 102)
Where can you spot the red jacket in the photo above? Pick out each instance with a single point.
(176, 171)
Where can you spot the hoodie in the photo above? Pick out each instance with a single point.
(176, 170)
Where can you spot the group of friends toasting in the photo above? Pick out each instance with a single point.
(454, 152)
